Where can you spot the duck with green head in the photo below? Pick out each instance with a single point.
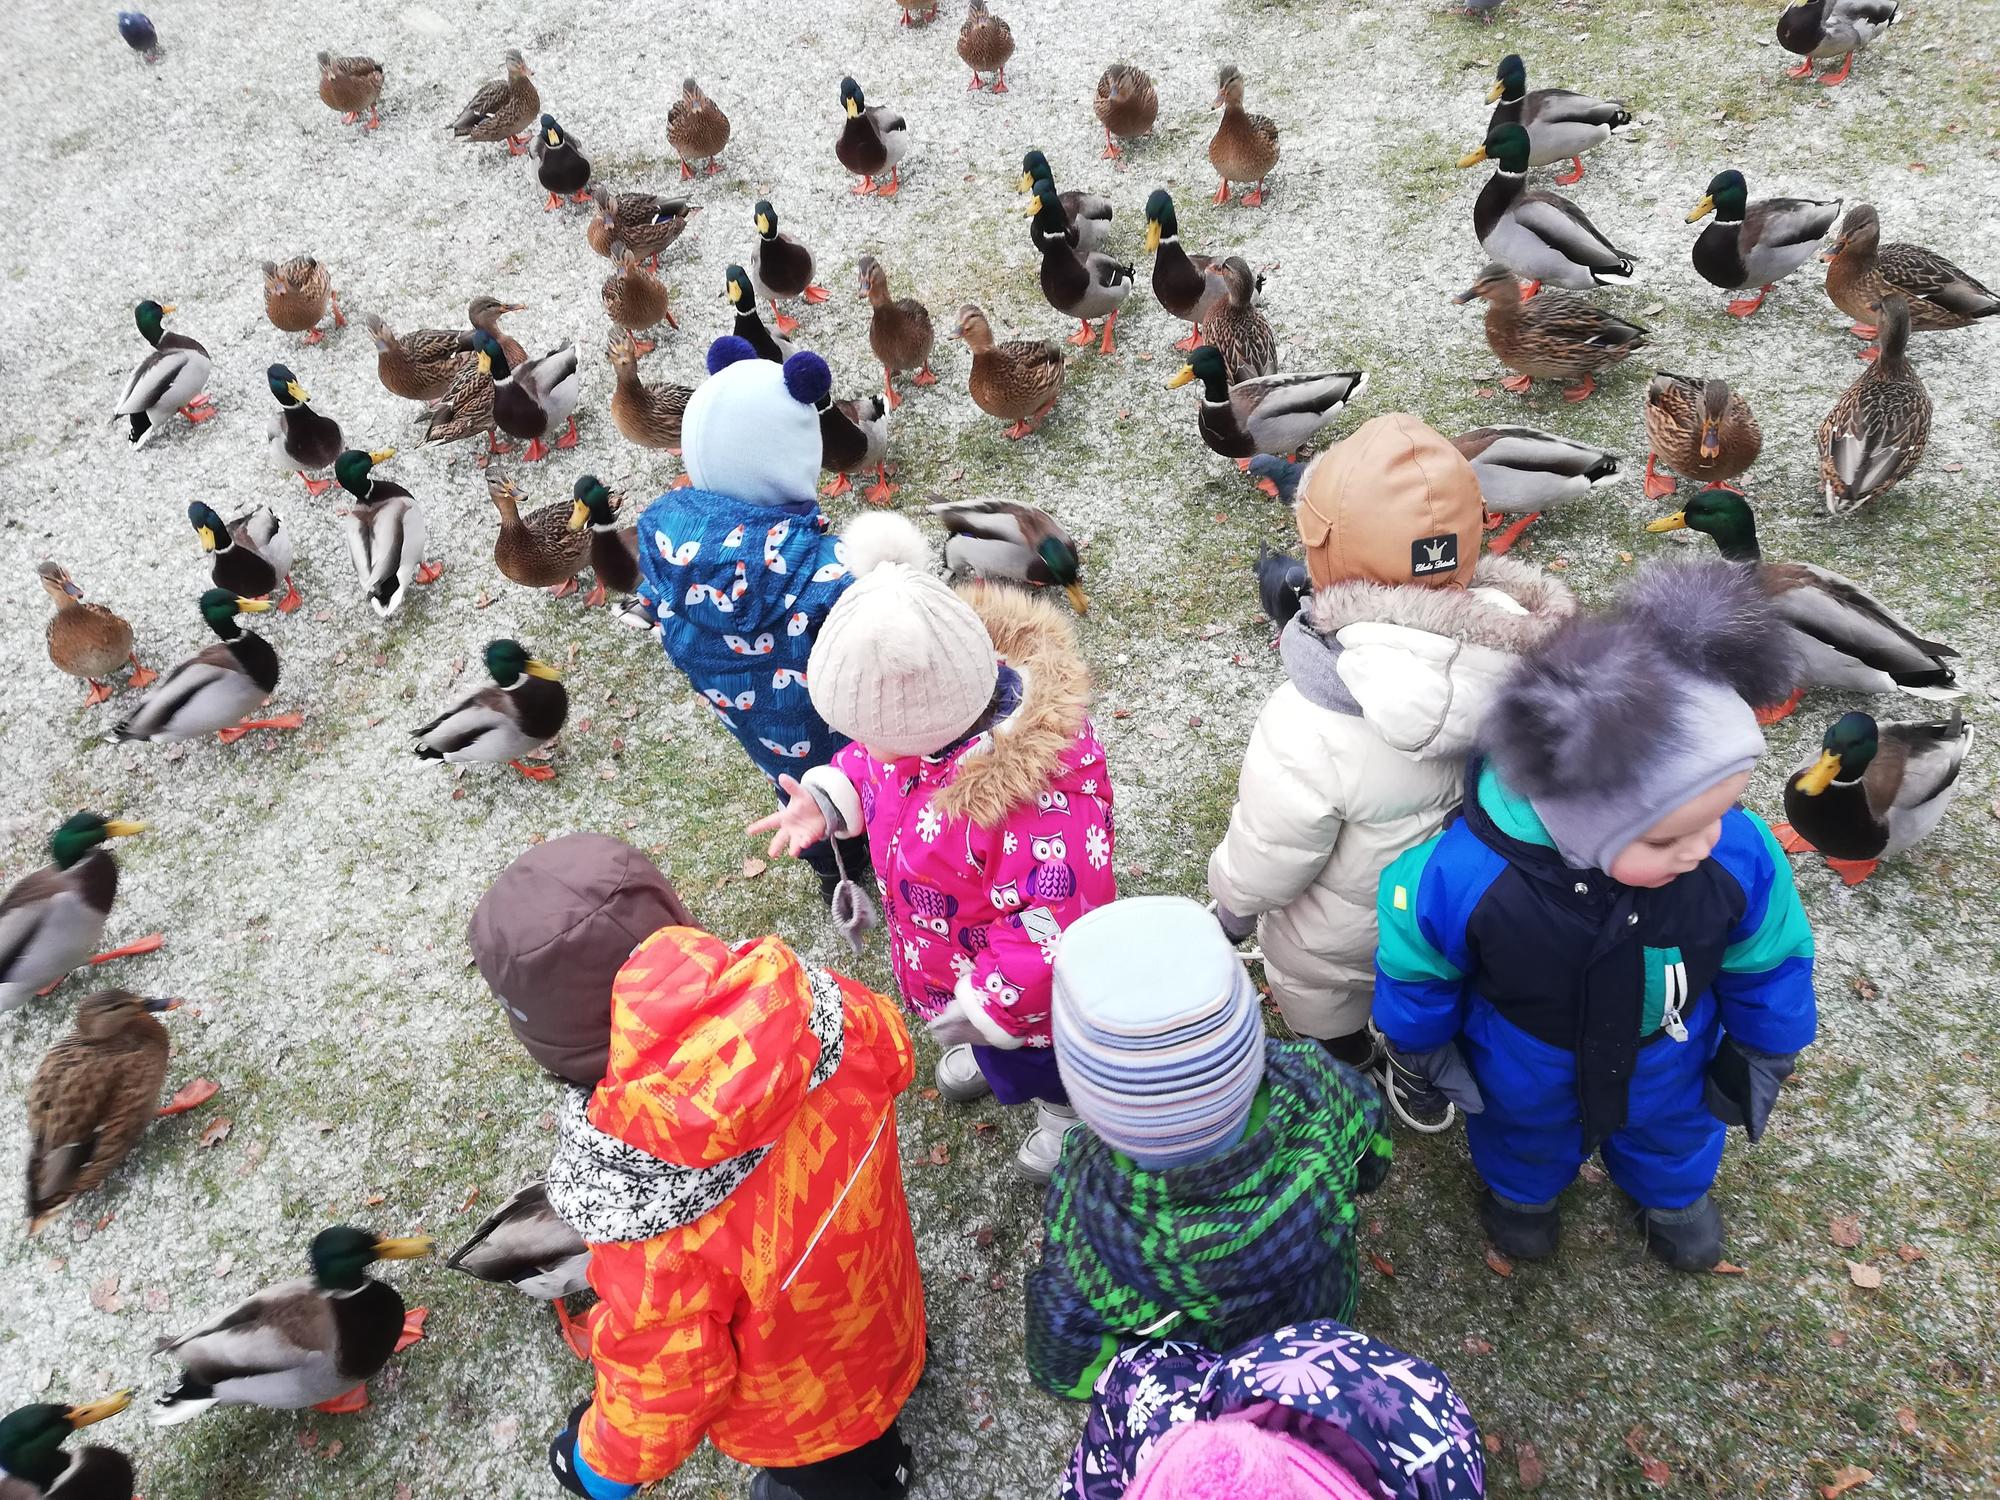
(1873, 791)
(51, 919)
(872, 141)
(1016, 543)
(1179, 281)
(1084, 286)
(297, 437)
(1086, 217)
(214, 690)
(1270, 414)
(749, 326)
(34, 1464)
(517, 715)
(1539, 236)
(1755, 244)
(781, 267)
(167, 380)
(614, 550)
(560, 166)
(1559, 123)
(250, 555)
(384, 531)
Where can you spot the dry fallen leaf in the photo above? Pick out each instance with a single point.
(1836, 1338)
(1845, 1231)
(156, 1299)
(1492, 1441)
(1497, 1263)
(374, 1200)
(195, 1091)
(1476, 1345)
(753, 867)
(1381, 1263)
(505, 1431)
(216, 1132)
(1530, 1465)
(1865, 987)
(1847, 1477)
(1906, 1420)
(927, 1095)
(104, 1295)
(225, 1263)
(1909, 1255)
(1728, 1268)
(1864, 1275)
(940, 1155)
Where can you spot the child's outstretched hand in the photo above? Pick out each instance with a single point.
(799, 823)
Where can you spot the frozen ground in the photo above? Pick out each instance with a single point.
(314, 887)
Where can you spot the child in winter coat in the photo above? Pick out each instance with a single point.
(740, 571)
(1213, 1196)
(728, 1151)
(987, 804)
(1606, 953)
(1391, 662)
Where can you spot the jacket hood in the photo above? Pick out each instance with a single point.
(733, 567)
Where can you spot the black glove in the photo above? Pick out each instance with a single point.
(1444, 1069)
(562, 1453)
(1237, 929)
(1743, 1084)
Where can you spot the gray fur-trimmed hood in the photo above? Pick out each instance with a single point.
(1460, 614)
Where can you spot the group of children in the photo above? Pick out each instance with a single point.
(1492, 850)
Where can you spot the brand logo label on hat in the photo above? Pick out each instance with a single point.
(1434, 554)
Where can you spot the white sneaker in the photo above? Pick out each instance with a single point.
(958, 1075)
(1042, 1149)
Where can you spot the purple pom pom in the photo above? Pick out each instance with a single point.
(726, 351)
(807, 378)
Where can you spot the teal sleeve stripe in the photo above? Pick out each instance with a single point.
(1784, 932)
(1403, 952)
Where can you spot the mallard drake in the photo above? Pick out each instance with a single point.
(1523, 471)
(899, 331)
(781, 267)
(537, 550)
(1701, 429)
(749, 326)
(1270, 414)
(647, 415)
(854, 438)
(533, 400)
(1551, 336)
(484, 314)
(418, 366)
(1180, 281)
(521, 712)
(646, 223)
(139, 34)
(697, 129)
(1538, 235)
(1008, 540)
(985, 42)
(1861, 269)
(634, 299)
(168, 380)
(1842, 635)
(503, 109)
(213, 691)
(250, 555)
(300, 1343)
(350, 85)
(33, 1465)
(1017, 381)
(1086, 217)
(1244, 147)
(1873, 791)
(87, 640)
(614, 550)
(1559, 123)
(467, 404)
(1755, 244)
(1832, 28)
(296, 297)
(526, 1245)
(1079, 285)
(297, 437)
(384, 531)
(1126, 106)
(92, 1097)
(1234, 328)
(560, 165)
(872, 140)
(51, 919)
(1875, 434)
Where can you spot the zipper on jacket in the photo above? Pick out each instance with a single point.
(1676, 996)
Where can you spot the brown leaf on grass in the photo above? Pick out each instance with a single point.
(1907, 1421)
(216, 1132)
(983, 1236)
(1529, 1463)
(753, 867)
(1476, 1345)
(1381, 1263)
(1492, 1442)
(333, 1448)
(1657, 1472)
(1836, 1338)
(104, 1221)
(1845, 1478)
(983, 1127)
(470, 1199)
(194, 1092)
(375, 1200)
(1845, 1231)
(104, 1295)
(1863, 1275)
(1593, 1174)
(929, 1096)
(1865, 987)
(1497, 1263)
(1729, 1268)
(156, 1299)
(1909, 1255)
(940, 1155)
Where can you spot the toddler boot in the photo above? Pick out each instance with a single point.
(1524, 1231)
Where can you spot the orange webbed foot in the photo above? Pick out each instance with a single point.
(1574, 174)
(1775, 713)
(564, 589)
(1083, 337)
(534, 773)
(293, 598)
(785, 324)
(574, 1332)
(595, 597)
(1852, 871)
(347, 1405)
(1658, 486)
(413, 1328)
(1790, 840)
(537, 451)
(152, 942)
(1518, 384)
(925, 376)
(1581, 390)
(99, 691)
(840, 484)
(429, 572)
(816, 294)
(1501, 543)
(314, 486)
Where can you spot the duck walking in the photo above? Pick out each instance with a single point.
(1523, 471)
(738, 288)
(52, 919)
(1017, 381)
(1012, 542)
(1268, 414)
(1084, 287)
(647, 415)
(533, 401)
(1874, 790)
(250, 555)
(1560, 124)
(537, 550)
(297, 295)
(1244, 147)
(899, 331)
(781, 267)
(522, 711)
(213, 691)
(614, 549)
(168, 380)
(1126, 106)
(1820, 29)
(1701, 429)
(85, 639)
(297, 437)
(1538, 235)
(642, 221)
(1861, 270)
(634, 300)
(466, 407)
(1755, 244)
(350, 85)
(1180, 282)
(1553, 336)
(985, 42)
(384, 532)
(872, 141)
(1234, 327)
(1876, 433)
(697, 129)
(560, 165)
(503, 109)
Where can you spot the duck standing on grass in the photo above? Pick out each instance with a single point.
(213, 691)
(1523, 471)
(1876, 433)
(1233, 327)
(1832, 28)
(527, 1246)
(781, 266)
(1014, 543)
(1086, 216)
(1552, 336)
(384, 531)
(533, 400)
(1126, 106)
(899, 331)
(647, 415)
(1017, 381)
(1083, 286)
(419, 365)
(1244, 147)
(985, 42)
(1269, 414)
(297, 437)
(87, 640)
(168, 380)
(519, 714)
(297, 295)
(560, 165)
(33, 1465)
(466, 407)
(537, 550)
(1180, 280)
(1559, 123)
(250, 555)
(1873, 791)
(644, 221)
(1538, 235)
(697, 129)
(1755, 244)
(503, 109)
(1701, 429)
(1861, 270)
(350, 85)
(614, 550)
(634, 300)
(872, 141)
(51, 919)
(854, 438)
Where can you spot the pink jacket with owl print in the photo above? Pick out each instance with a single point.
(987, 852)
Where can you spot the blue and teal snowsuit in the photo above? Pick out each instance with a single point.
(1588, 1011)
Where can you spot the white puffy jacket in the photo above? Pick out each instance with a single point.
(1358, 757)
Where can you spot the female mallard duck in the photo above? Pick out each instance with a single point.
(781, 267)
(872, 141)
(1551, 336)
(697, 129)
(297, 437)
(918, 12)
(1234, 328)
(168, 380)
(418, 366)
(504, 108)
(1126, 106)
(1180, 281)
(467, 404)
(899, 331)
(526, 1245)
(350, 85)
(296, 296)
(1523, 471)
(1873, 791)
(51, 918)
(1086, 216)
(749, 326)
(1017, 381)
(854, 438)
(1244, 147)
(535, 399)
(1832, 28)
(645, 223)
(614, 550)
(384, 531)
(250, 555)
(213, 691)
(1861, 270)
(87, 640)
(634, 299)
(1537, 235)
(537, 550)
(1082, 286)
(985, 42)
(484, 314)
(1700, 429)
(1875, 434)
(520, 713)
(647, 415)
(1559, 123)
(33, 1465)
(1755, 244)
(1008, 540)
(560, 165)
(300, 1343)
(1841, 634)
(1270, 414)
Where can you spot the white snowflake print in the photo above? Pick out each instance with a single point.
(1089, 789)
(1097, 844)
(1008, 843)
(912, 955)
(960, 965)
(1048, 950)
(930, 823)
(1147, 1397)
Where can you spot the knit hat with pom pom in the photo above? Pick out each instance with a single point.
(902, 664)
(1620, 718)
(751, 431)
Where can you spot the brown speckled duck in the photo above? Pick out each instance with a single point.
(985, 42)
(87, 640)
(1861, 269)
(899, 331)
(1234, 327)
(1126, 106)
(350, 85)
(1245, 146)
(419, 365)
(646, 223)
(697, 129)
(1876, 433)
(296, 295)
(1551, 336)
(634, 300)
(537, 550)
(647, 415)
(1017, 381)
(504, 108)
(1701, 429)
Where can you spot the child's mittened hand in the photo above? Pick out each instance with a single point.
(798, 824)
(1743, 1083)
(952, 1025)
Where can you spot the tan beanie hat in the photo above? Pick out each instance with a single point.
(1395, 503)
(902, 663)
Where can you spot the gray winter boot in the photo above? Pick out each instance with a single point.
(1688, 1239)
(1524, 1231)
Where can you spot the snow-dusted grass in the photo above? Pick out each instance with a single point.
(314, 888)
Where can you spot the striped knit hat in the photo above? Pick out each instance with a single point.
(1158, 1035)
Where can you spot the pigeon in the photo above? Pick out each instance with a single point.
(139, 34)
(1276, 477)
(1282, 584)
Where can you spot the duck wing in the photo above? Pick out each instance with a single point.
(1839, 613)
(1925, 274)
(1778, 235)
(1561, 226)
(525, 1244)
(491, 98)
(482, 726)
